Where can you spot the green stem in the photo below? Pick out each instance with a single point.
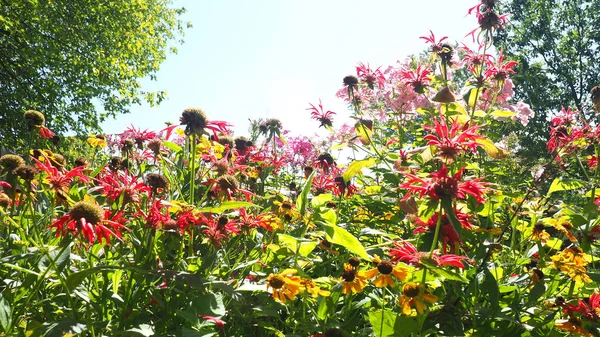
(436, 235)
(192, 168)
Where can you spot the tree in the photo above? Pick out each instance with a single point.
(556, 43)
(79, 62)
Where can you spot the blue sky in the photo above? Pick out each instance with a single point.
(250, 59)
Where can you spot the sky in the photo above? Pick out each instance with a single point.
(270, 58)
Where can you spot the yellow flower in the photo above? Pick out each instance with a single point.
(284, 284)
(384, 271)
(564, 225)
(354, 280)
(573, 326)
(313, 289)
(273, 221)
(414, 295)
(97, 140)
(572, 261)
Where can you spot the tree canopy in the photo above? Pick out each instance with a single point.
(556, 43)
(79, 62)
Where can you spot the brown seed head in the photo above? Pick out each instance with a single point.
(11, 161)
(92, 213)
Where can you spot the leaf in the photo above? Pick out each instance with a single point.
(363, 132)
(564, 185)
(172, 146)
(356, 166)
(53, 257)
(144, 330)
(342, 237)
(491, 149)
(490, 287)
(76, 278)
(321, 200)
(502, 113)
(5, 313)
(383, 323)
(227, 205)
(302, 199)
(303, 247)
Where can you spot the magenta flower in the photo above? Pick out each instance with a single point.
(320, 115)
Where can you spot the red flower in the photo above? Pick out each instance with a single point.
(218, 230)
(499, 70)
(117, 184)
(418, 79)
(440, 186)
(448, 235)
(409, 254)
(451, 143)
(91, 222)
(369, 76)
(60, 180)
(436, 46)
(45, 132)
(320, 115)
(218, 322)
(138, 135)
(247, 221)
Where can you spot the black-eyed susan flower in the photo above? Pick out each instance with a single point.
(354, 280)
(97, 140)
(313, 289)
(384, 271)
(285, 285)
(414, 296)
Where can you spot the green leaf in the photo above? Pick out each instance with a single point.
(490, 286)
(564, 185)
(227, 205)
(302, 247)
(5, 313)
(491, 149)
(75, 279)
(342, 237)
(502, 113)
(53, 257)
(383, 323)
(321, 200)
(356, 166)
(172, 146)
(302, 199)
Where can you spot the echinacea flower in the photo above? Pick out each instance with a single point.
(353, 280)
(285, 285)
(414, 295)
(313, 289)
(91, 221)
(384, 271)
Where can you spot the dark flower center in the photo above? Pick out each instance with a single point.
(410, 289)
(349, 275)
(276, 282)
(385, 267)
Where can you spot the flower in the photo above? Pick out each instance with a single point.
(59, 180)
(384, 271)
(414, 295)
(313, 289)
(285, 285)
(452, 142)
(370, 77)
(572, 261)
(9, 162)
(44, 132)
(418, 78)
(322, 116)
(97, 140)
(353, 280)
(89, 220)
(440, 186)
(157, 182)
(196, 123)
(35, 119)
(217, 321)
(409, 254)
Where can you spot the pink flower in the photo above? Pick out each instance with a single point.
(320, 115)
(409, 254)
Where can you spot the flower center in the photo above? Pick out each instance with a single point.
(410, 289)
(349, 275)
(276, 282)
(385, 267)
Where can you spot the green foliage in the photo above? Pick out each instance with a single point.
(79, 62)
(556, 44)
